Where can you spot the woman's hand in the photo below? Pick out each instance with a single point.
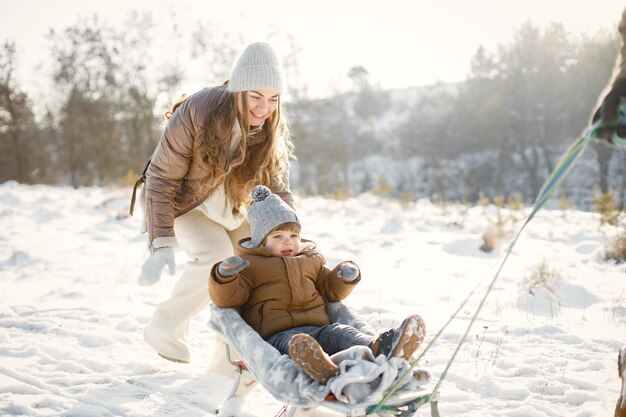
(608, 111)
(153, 266)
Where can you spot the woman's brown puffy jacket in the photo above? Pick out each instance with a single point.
(176, 181)
(279, 293)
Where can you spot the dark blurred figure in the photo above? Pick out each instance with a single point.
(620, 408)
(609, 100)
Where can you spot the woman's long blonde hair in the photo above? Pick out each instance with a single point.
(265, 163)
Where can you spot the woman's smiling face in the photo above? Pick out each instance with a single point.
(261, 104)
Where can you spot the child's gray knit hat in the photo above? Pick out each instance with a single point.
(257, 68)
(267, 211)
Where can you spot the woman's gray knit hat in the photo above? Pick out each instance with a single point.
(268, 211)
(257, 68)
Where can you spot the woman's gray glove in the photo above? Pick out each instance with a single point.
(348, 271)
(232, 265)
(153, 266)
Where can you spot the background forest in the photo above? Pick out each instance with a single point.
(498, 133)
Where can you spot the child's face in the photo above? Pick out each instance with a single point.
(283, 243)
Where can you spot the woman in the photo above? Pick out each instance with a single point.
(217, 145)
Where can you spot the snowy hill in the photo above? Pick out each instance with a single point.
(71, 314)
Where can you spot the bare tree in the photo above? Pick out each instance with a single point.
(216, 50)
(138, 93)
(86, 74)
(18, 132)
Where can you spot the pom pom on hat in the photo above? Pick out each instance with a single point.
(260, 193)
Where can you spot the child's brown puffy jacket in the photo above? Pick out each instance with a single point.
(279, 293)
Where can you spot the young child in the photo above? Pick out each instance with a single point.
(281, 285)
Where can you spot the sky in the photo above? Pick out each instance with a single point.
(545, 344)
(401, 43)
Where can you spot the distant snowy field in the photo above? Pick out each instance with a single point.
(71, 314)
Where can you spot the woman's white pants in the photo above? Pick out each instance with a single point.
(208, 234)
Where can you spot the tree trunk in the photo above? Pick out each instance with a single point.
(20, 168)
(531, 168)
(603, 157)
(622, 200)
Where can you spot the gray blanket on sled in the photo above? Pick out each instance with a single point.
(363, 377)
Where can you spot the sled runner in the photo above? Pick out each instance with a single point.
(356, 391)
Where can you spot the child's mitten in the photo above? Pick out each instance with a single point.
(232, 265)
(348, 271)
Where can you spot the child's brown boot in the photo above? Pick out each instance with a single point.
(401, 341)
(309, 356)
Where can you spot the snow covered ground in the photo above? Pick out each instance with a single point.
(71, 314)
